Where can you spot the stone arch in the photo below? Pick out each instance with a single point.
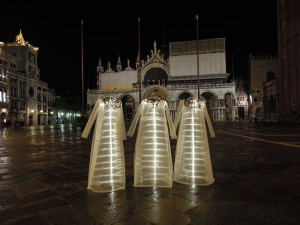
(128, 105)
(228, 99)
(211, 100)
(229, 103)
(156, 76)
(155, 71)
(184, 95)
(157, 91)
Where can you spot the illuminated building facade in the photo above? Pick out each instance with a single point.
(242, 102)
(172, 77)
(4, 59)
(24, 98)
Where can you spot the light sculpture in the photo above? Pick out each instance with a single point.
(107, 163)
(153, 165)
(192, 160)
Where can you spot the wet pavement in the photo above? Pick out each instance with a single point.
(43, 180)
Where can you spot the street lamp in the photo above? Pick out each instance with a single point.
(139, 62)
(198, 58)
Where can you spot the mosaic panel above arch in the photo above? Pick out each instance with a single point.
(156, 90)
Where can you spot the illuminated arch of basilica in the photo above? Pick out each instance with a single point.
(172, 76)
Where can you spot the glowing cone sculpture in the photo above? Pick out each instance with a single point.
(152, 159)
(107, 164)
(192, 159)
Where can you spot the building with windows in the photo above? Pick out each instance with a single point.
(242, 102)
(263, 98)
(68, 108)
(4, 63)
(24, 97)
(172, 75)
(288, 29)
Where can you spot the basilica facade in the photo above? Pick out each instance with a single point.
(172, 76)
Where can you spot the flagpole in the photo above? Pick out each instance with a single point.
(139, 62)
(232, 66)
(82, 69)
(198, 58)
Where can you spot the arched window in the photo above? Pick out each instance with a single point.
(270, 76)
(156, 76)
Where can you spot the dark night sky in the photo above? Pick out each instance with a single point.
(111, 28)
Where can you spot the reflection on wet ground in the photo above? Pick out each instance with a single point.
(256, 169)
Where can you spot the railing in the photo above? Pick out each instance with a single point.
(168, 87)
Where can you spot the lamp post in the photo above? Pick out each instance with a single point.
(139, 62)
(82, 69)
(198, 58)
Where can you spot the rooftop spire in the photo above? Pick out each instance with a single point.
(100, 66)
(119, 60)
(108, 67)
(19, 39)
(119, 64)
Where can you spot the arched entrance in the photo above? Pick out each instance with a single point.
(128, 107)
(229, 103)
(211, 103)
(156, 91)
(156, 76)
(184, 95)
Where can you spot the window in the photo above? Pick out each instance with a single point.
(240, 99)
(31, 91)
(39, 97)
(270, 76)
